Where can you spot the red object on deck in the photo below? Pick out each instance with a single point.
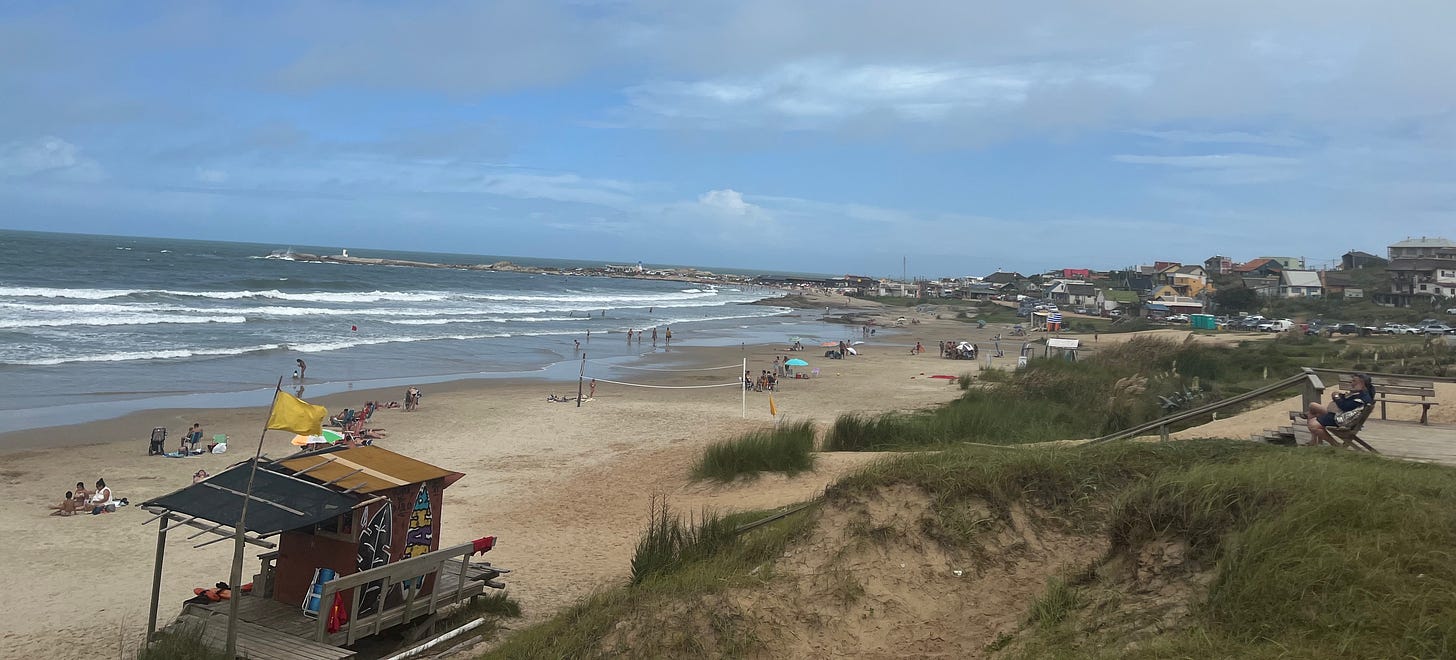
(484, 544)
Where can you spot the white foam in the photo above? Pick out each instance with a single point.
(135, 319)
(125, 356)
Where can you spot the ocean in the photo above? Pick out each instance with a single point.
(93, 327)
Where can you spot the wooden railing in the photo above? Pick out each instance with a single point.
(390, 575)
(1313, 391)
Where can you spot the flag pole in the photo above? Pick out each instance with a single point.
(744, 395)
(579, 376)
(238, 535)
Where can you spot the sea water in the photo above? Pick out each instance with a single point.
(98, 326)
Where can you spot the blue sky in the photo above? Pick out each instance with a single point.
(833, 136)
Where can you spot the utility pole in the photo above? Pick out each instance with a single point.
(904, 268)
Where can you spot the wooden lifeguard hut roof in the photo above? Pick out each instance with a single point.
(364, 470)
(281, 502)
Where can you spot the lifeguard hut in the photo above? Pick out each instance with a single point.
(1062, 347)
(368, 516)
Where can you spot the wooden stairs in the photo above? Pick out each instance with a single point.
(1295, 433)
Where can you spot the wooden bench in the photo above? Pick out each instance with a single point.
(1408, 391)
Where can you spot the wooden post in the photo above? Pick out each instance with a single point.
(1163, 433)
(236, 580)
(579, 376)
(157, 575)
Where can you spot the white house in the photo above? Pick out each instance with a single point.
(1300, 284)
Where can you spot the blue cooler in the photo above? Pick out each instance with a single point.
(315, 592)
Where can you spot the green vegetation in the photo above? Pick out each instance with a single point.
(788, 448)
(715, 560)
(492, 607)
(183, 644)
(1312, 554)
(1054, 400)
(1283, 553)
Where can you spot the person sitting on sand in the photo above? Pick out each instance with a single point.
(192, 437)
(67, 506)
(1320, 416)
(101, 500)
(82, 495)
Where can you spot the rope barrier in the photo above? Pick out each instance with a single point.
(668, 387)
(623, 366)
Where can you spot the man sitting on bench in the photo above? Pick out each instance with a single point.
(1320, 416)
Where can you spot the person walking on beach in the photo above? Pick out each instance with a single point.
(578, 344)
(302, 369)
(629, 335)
(669, 333)
(593, 391)
(654, 335)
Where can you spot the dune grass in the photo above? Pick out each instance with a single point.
(788, 448)
(185, 644)
(1118, 387)
(677, 558)
(1315, 553)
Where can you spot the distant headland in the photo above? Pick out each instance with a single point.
(676, 274)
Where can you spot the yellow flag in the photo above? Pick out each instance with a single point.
(772, 410)
(291, 413)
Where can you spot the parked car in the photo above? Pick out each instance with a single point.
(1250, 322)
(1276, 325)
(1399, 329)
(1344, 329)
(1451, 311)
(1439, 329)
(1178, 318)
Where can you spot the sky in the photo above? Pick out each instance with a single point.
(837, 136)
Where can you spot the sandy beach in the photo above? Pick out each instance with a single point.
(565, 489)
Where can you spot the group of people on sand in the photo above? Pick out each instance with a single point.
(96, 502)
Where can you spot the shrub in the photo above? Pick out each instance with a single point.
(788, 448)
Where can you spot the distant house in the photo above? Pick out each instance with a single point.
(1416, 248)
(1218, 265)
(1339, 283)
(1261, 267)
(1072, 292)
(981, 291)
(1002, 277)
(1267, 286)
(1300, 284)
(1110, 299)
(1356, 259)
(1138, 283)
(1424, 280)
(1076, 274)
(1176, 305)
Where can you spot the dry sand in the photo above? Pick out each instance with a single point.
(566, 489)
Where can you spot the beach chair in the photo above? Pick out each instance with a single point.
(158, 446)
(1350, 433)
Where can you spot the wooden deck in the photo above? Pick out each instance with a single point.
(1430, 443)
(272, 630)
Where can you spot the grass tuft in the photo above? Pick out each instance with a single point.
(671, 540)
(184, 644)
(788, 448)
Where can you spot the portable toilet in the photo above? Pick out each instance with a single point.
(1202, 322)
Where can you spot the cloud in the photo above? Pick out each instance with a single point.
(1222, 137)
(728, 201)
(1207, 161)
(825, 93)
(48, 156)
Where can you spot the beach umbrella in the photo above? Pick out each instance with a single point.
(856, 342)
(850, 350)
(325, 437)
(796, 362)
(829, 344)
